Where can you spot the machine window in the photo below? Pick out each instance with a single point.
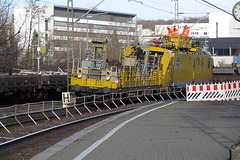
(202, 62)
(208, 66)
(198, 62)
(154, 53)
(177, 62)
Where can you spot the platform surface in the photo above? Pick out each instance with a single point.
(164, 131)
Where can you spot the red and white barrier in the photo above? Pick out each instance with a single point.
(232, 91)
(213, 92)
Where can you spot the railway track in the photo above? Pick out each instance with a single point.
(73, 122)
(22, 147)
(31, 144)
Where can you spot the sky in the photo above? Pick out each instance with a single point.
(148, 9)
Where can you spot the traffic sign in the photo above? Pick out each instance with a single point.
(88, 51)
(43, 49)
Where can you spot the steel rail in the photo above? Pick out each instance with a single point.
(60, 126)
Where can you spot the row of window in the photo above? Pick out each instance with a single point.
(225, 52)
(196, 33)
(122, 36)
(96, 26)
(181, 27)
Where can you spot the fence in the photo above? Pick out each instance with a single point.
(226, 91)
(112, 100)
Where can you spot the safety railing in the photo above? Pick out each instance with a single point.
(91, 72)
(28, 109)
(139, 78)
(178, 41)
(92, 103)
(123, 79)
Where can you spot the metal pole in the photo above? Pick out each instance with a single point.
(176, 13)
(87, 32)
(80, 53)
(38, 48)
(128, 36)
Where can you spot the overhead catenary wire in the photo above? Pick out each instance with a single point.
(217, 7)
(149, 6)
(159, 3)
(193, 11)
(89, 11)
(140, 2)
(199, 20)
(198, 1)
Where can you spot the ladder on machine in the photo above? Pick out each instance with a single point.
(99, 56)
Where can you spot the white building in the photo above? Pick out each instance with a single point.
(223, 25)
(53, 28)
(197, 30)
(145, 35)
(26, 20)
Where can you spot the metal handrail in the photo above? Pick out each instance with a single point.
(91, 99)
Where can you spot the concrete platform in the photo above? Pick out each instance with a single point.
(163, 131)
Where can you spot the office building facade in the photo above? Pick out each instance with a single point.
(52, 23)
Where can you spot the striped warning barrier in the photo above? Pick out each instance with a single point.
(213, 92)
(232, 91)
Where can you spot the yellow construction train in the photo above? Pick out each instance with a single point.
(168, 61)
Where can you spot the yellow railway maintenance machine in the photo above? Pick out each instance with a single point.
(168, 61)
(95, 76)
(183, 62)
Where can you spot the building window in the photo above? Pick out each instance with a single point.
(59, 23)
(205, 33)
(196, 33)
(46, 24)
(97, 26)
(192, 33)
(46, 37)
(177, 62)
(81, 25)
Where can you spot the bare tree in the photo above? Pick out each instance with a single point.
(28, 36)
(27, 23)
(113, 47)
(8, 40)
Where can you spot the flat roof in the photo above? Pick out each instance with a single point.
(76, 9)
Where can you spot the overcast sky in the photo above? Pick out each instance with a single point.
(149, 9)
